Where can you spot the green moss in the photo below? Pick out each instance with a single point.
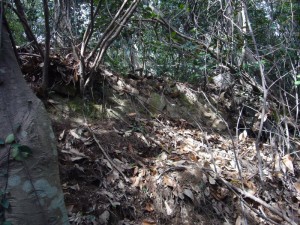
(156, 103)
(91, 110)
(75, 105)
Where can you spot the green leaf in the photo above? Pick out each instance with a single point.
(5, 203)
(297, 82)
(21, 152)
(25, 150)
(15, 150)
(173, 34)
(7, 223)
(153, 15)
(2, 142)
(10, 139)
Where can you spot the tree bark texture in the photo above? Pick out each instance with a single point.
(45, 82)
(32, 186)
(62, 28)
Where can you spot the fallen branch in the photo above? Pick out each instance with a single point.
(29, 54)
(245, 194)
(106, 155)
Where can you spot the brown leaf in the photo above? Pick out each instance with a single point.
(251, 187)
(297, 187)
(167, 181)
(136, 181)
(131, 114)
(148, 222)
(193, 157)
(220, 193)
(149, 207)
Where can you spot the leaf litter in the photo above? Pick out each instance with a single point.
(149, 166)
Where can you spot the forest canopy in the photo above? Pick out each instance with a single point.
(181, 39)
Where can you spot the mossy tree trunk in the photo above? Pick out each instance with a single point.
(31, 189)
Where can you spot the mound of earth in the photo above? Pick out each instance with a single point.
(146, 150)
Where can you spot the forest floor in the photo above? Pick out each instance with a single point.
(123, 162)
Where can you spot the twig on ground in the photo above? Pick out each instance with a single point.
(106, 155)
(245, 194)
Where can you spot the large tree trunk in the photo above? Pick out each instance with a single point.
(32, 186)
(62, 27)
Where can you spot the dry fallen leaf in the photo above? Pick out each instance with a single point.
(107, 163)
(74, 134)
(207, 191)
(113, 176)
(127, 133)
(211, 180)
(167, 181)
(297, 187)
(149, 207)
(75, 155)
(168, 208)
(79, 167)
(193, 157)
(204, 178)
(132, 114)
(75, 187)
(88, 141)
(104, 217)
(220, 193)
(287, 160)
(189, 194)
(148, 222)
(238, 221)
(243, 136)
(107, 193)
(62, 135)
(251, 187)
(136, 181)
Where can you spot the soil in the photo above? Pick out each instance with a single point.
(96, 194)
(143, 167)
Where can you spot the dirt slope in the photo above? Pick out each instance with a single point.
(144, 150)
